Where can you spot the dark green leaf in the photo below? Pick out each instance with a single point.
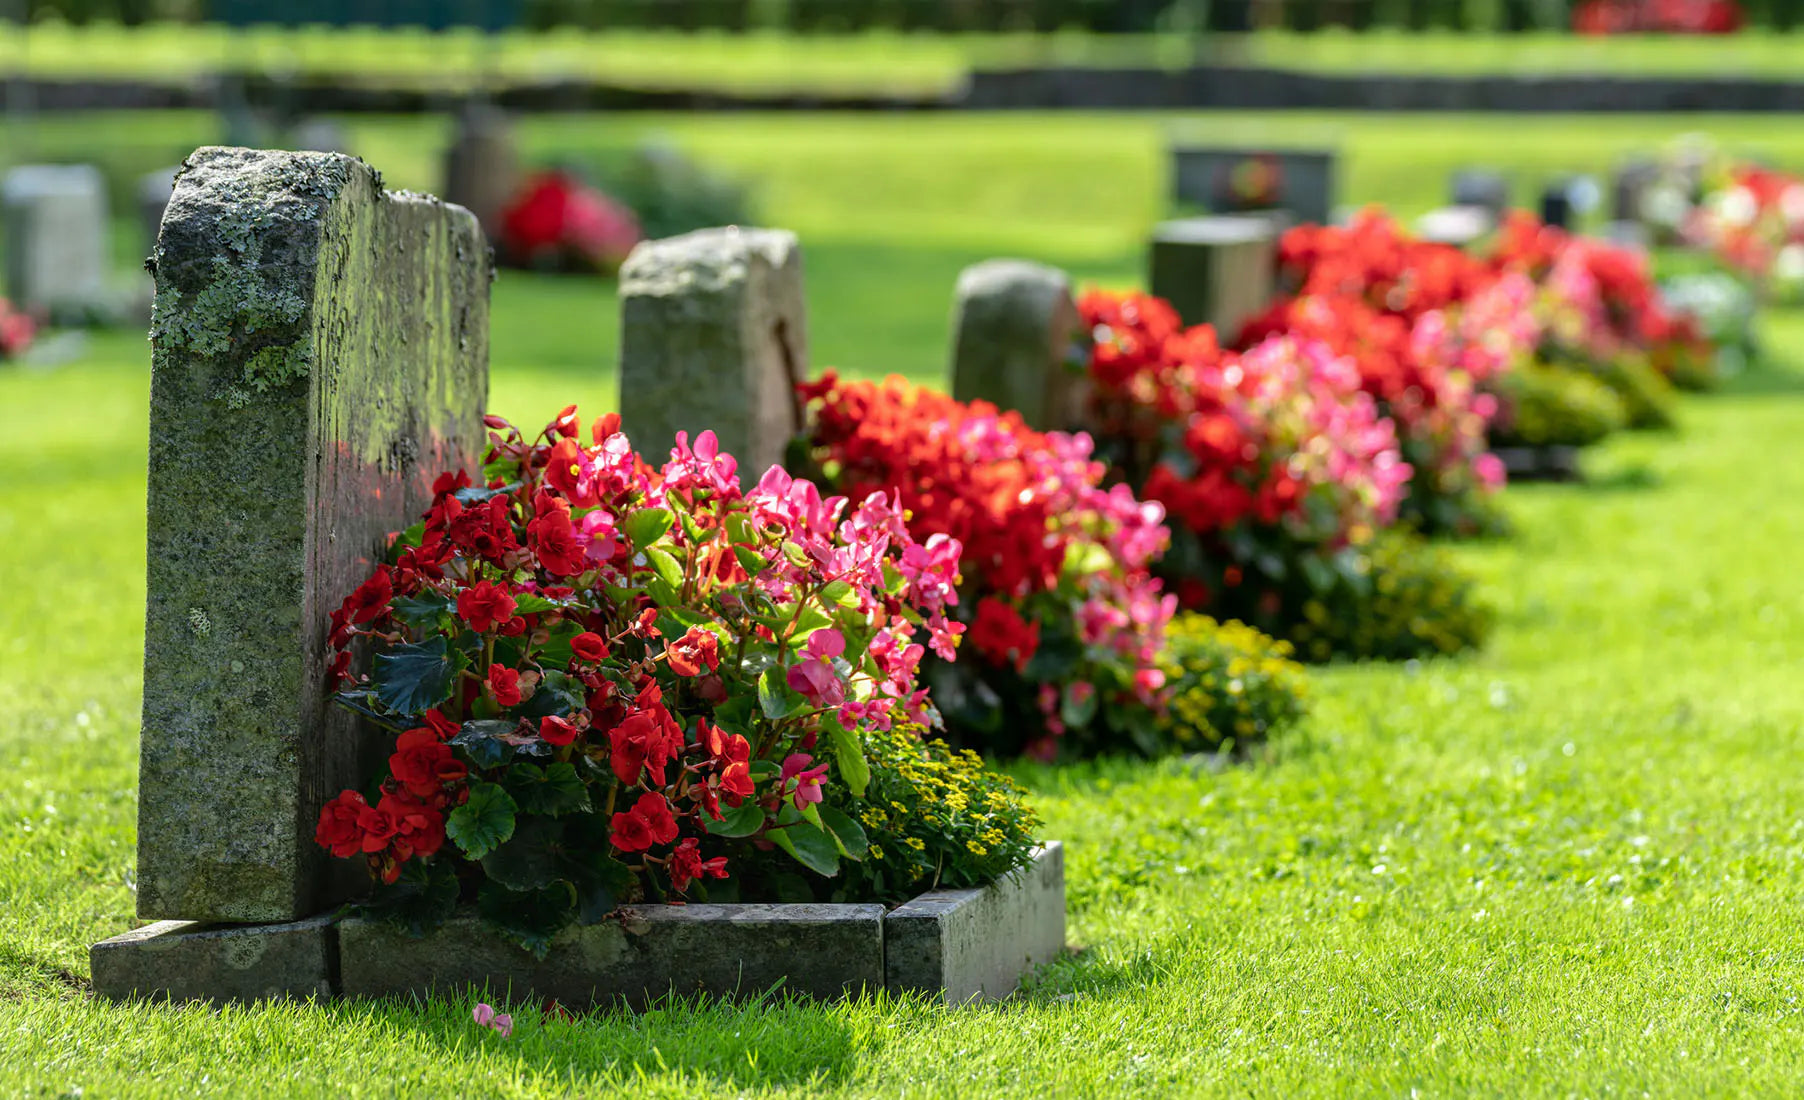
(662, 591)
(423, 898)
(552, 790)
(421, 611)
(414, 678)
(735, 715)
(412, 537)
(483, 822)
(528, 860)
(747, 819)
(558, 693)
(846, 832)
(647, 526)
(601, 883)
(811, 847)
(486, 742)
(527, 918)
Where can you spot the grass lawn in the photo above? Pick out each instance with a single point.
(1571, 864)
(876, 62)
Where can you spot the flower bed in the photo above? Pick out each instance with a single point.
(1274, 464)
(1424, 324)
(1063, 619)
(612, 683)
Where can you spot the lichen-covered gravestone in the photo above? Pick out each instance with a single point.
(320, 353)
(55, 218)
(1015, 329)
(1217, 270)
(713, 337)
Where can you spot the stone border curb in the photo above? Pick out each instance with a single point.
(964, 945)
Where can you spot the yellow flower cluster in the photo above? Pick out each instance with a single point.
(1229, 683)
(933, 817)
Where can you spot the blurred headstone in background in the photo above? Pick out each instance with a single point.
(1459, 226)
(55, 222)
(318, 135)
(1215, 270)
(152, 198)
(1556, 204)
(1014, 326)
(1634, 178)
(482, 167)
(1234, 181)
(1481, 187)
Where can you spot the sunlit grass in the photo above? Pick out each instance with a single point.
(1571, 864)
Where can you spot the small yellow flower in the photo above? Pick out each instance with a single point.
(916, 843)
(976, 848)
(876, 852)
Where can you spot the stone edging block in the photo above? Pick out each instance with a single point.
(960, 944)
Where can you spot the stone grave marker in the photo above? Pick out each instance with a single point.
(1488, 190)
(1231, 181)
(713, 335)
(55, 221)
(319, 354)
(1556, 204)
(1215, 270)
(1630, 187)
(482, 167)
(1014, 329)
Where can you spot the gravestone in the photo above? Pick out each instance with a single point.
(55, 219)
(1628, 234)
(319, 354)
(713, 335)
(1219, 271)
(1014, 328)
(152, 197)
(1634, 179)
(1557, 205)
(1231, 181)
(1459, 226)
(1482, 188)
(482, 167)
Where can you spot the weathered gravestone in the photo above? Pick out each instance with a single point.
(1014, 328)
(55, 219)
(1219, 271)
(1229, 181)
(1629, 190)
(319, 354)
(482, 167)
(1557, 205)
(713, 335)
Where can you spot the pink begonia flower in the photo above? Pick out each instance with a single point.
(704, 466)
(500, 1022)
(808, 780)
(598, 531)
(815, 677)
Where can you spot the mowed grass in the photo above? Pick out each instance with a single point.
(873, 61)
(1571, 864)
